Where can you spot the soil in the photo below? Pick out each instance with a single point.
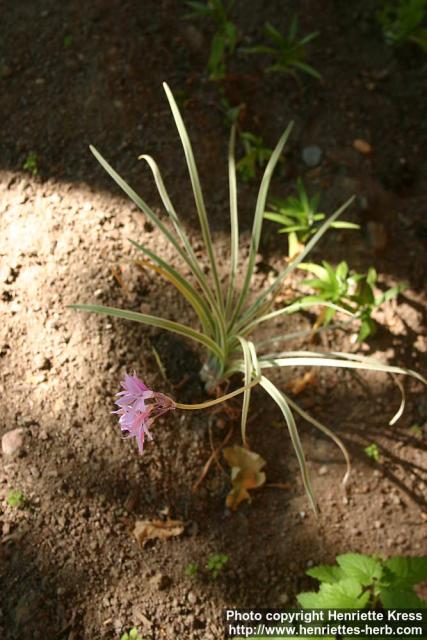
(77, 73)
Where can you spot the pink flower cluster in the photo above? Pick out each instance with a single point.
(139, 406)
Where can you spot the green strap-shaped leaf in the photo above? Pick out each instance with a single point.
(279, 398)
(184, 287)
(258, 219)
(249, 366)
(234, 219)
(153, 321)
(324, 430)
(197, 190)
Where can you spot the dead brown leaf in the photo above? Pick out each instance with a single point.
(362, 146)
(245, 474)
(299, 385)
(146, 530)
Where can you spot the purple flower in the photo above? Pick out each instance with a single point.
(139, 406)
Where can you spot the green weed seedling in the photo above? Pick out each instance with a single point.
(299, 217)
(416, 431)
(216, 564)
(191, 569)
(354, 292)
(402, 21)
(15, 499)
(361, 581)
(30, 164)
(372, 451)
(68, 41)
(288, 52)
(256, 156)
(133, 634)
(225, 37)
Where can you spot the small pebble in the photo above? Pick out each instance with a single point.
(12, 441)
(312, 155)
(41, 362)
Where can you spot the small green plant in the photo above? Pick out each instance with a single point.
(68, 41)
(30, 164)
(354, 292)
(402, 21)
(372, 451)
(231, 112)
(288, 52)
(361, 581)
(227, 314)
(15, 499)
(416, 430)
(217, 563)
(191, 569)
(224, 39)
(299, 217)
(256, 156)
(133, 634)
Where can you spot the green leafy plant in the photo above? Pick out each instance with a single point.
(353, 291)
(289, 52)
(133, 634)
(416, 430)
(217, 563)
(15, 499)
(361, 581)
(68, 41)
(402, 21)
(191, 569)
(372, 451)
(224, 39)
(299, 217)
(256, 156)
(227, 315)
(30, 164)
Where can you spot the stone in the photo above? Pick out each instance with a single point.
(312, 155)
(12, 442)
(160, 581)
(41, 362)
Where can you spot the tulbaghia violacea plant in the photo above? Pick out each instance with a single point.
(227, 317)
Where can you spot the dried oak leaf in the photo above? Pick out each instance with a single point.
(146, 530)
(245, 474)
